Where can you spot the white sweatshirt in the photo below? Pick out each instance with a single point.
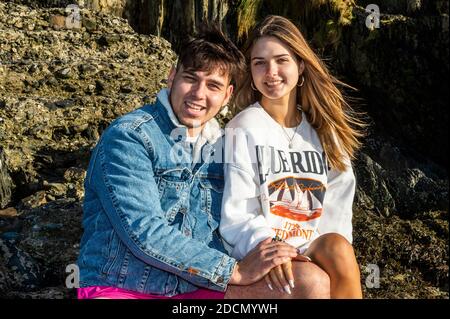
(271, 189)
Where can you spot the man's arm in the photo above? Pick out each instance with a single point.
(122, 177)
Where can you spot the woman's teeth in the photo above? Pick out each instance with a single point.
(273, 83)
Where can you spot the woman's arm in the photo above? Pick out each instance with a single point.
(243, 224)
(338, 203)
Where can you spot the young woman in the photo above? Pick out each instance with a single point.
(288, 174)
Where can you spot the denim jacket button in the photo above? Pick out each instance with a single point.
(187, 232)
(220, 280)
(183, 210)
(186, 175)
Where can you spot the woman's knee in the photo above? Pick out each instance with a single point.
(332, 244)
(335, 254)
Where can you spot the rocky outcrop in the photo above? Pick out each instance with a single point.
(59, 88)
(62, 84)
(172, 19)
(5, 182)
(400, 222)
(402, 70)
(410, 48)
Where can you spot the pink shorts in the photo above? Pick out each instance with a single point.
(118, 293)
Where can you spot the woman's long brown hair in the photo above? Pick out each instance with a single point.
(337, 124)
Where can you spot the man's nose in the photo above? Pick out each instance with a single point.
(198, 90)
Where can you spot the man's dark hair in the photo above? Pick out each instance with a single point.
(211, 48)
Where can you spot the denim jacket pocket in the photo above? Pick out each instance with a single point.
(212, 191)
(111, 252)
(173, 187)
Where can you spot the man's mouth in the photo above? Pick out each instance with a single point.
(193, 108)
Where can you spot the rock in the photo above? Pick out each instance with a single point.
(122, 55)
(6, 184)
(418, 256)
(48, 126)
(35, 200)
(33, 68)
(65, 103)
(57, 22)
(70, 88)
(65, 73)
(387, 185)
(87, 68)
(99, 86)
(22, 271)
(52, 81)
(9, 212)
(371, 179)
(125, 89)
(90, 24)
(417, 40)
(108, 39)
(74, 174)
(11, 236)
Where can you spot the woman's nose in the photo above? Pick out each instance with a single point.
(272, 69)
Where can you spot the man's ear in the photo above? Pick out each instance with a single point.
(172, 73)
(228, 95)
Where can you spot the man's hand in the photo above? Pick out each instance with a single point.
(265, 256)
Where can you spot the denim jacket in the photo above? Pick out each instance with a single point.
(151, 212)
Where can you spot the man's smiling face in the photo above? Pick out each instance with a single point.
(197, 96)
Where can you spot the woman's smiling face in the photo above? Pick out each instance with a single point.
(275, 69)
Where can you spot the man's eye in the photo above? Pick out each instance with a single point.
(189, 78)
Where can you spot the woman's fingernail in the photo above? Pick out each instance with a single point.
(291, 283)
(270, 286)
(287, 289)
(309, 259)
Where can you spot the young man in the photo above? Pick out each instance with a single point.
(153, 194)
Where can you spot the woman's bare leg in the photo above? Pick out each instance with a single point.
(311, 282)
(334, 254)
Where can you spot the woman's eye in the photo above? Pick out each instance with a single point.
(259, 63)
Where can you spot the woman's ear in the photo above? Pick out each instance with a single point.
(301, 67)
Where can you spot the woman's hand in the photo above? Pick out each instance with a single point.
(282, 277)
(264, 257)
